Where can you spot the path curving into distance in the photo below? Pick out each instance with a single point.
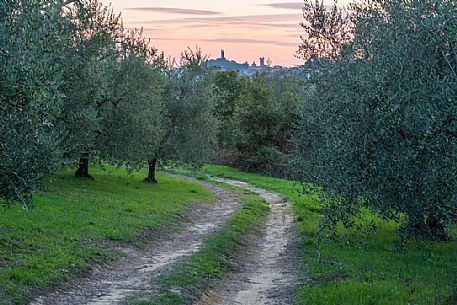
(269, 274)
(133, 274)
(266, 276)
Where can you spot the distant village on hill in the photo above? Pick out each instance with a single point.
(223, 64)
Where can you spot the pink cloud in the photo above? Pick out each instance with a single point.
(168, 10)
(286, 5)
(229, 20)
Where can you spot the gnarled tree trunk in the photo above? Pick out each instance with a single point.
(83, 169)
(151, 178)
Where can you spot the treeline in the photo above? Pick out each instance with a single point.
(374, 126)
(75, 86)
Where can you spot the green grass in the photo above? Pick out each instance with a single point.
(73, 223)
(195, 274)
(361, 268)
(196, 173)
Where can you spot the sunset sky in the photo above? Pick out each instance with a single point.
(246, 29)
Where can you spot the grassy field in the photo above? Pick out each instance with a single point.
(361, 268)
(203, 270)
(72, 224)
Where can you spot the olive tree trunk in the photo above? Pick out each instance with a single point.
(83, 169)
(151, 178)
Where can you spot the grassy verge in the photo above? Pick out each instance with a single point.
(195, 274)
(361, 268)
(73, 223)
(196, 174)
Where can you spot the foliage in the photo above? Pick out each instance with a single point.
(32, 45)
(229, 85)
(95, 30)
(76, 85)
(381, 130)
(359, 265)
(265, 118)
(52, 62)
(78, 223)
(327, 30)
(189, 119)
(131, 114)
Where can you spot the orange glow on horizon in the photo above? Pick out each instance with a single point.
(246, 29)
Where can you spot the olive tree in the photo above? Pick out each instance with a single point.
(381, 130)
(33, 40)
(131, 124)
(188, 118)
(95, 30)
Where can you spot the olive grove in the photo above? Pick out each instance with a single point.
(375, 126)
(381, 129)
(76, 86)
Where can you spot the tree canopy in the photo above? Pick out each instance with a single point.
(380, 131)
(75, 85)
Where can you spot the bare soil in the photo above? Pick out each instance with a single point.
(267, 274)
(270, 272)
(113, 283)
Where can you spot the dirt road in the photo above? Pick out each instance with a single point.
(134, 273)
(269, 274)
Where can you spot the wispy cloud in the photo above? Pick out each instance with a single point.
(230, 19)
(251, 41)
(169, 10)
(281, 25)
(249, 25)
(233, 40)
(252, 22)
(286, 5)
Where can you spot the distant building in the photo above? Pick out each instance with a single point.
(262, 62)
(223, 64)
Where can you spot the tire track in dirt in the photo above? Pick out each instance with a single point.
(270, 273)
(133, 273)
